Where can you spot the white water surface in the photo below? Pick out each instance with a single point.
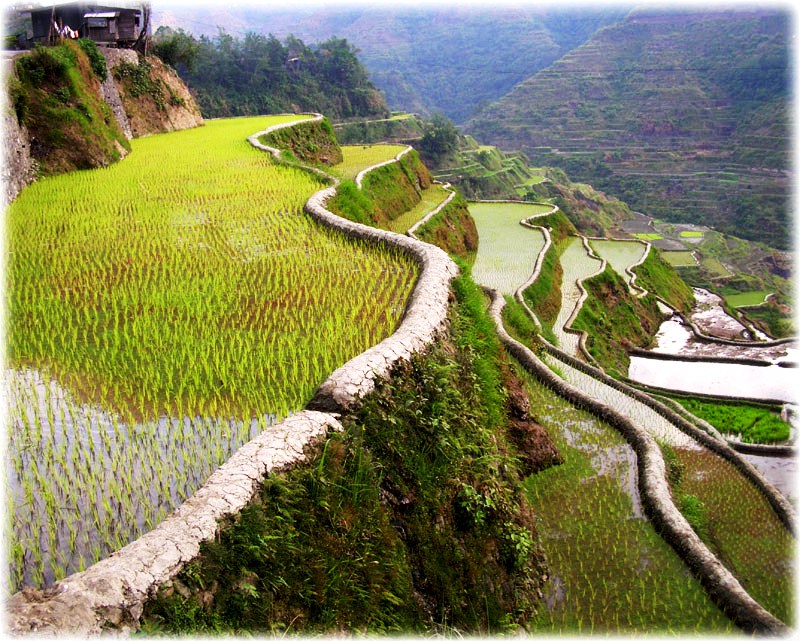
(718, 379)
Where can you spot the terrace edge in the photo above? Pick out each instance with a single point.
(111, 593)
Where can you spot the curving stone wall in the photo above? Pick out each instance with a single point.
(720, 584)
(112, 592)
(782, 507)
(110, 595)
(360, 175)
(427, 217)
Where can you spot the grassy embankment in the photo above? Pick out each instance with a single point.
(386, 193)
(56, 95)
(543, 296)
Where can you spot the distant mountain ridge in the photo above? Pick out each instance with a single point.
(684, 115)
(425, 60)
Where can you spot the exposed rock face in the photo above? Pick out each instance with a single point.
(18, 166)
(164, 105)
(110, 93)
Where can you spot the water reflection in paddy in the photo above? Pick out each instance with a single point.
(82, 483)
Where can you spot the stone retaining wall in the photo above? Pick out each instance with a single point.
(360, 175)
(720, 584)
(779, 503)
(110, 595)
(694, 358)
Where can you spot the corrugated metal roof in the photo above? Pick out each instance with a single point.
(102, 14)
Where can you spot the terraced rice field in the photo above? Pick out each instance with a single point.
(577, 265)
(680, 259)
(620, 254)
(610, 572)
(160, 312)
(356, 158)
(747, 299)
(432, 197)
(508, 251)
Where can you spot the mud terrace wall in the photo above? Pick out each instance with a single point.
(720, 584)
(110, 595)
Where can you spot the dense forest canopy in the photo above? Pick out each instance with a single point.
(258, 74)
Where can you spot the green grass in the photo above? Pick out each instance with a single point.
(185, 284)
(691, 234)
(648, 236)
(753, 423)
(656, 275)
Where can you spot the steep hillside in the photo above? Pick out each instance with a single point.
(682, 115)
(423, 59)
(56, 96)
(154, 97)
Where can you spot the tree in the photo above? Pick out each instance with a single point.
(440, 137)
(176, 47)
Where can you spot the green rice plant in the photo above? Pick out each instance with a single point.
(610, 572)
(752, 422)
(432, 197)
(359, 157)
(620, 254)
(741, 528)
(747, 299)
(680, 258)
(163, 310)
(507, 251)
(577, 265)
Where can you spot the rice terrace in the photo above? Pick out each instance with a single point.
(260, 381)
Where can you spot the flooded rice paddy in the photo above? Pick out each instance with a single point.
(508, 251)
(82, 483)
(577, 265)
(610, 572)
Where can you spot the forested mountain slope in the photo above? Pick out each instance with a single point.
(682, 115)
(259, 74)
(424, 59)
